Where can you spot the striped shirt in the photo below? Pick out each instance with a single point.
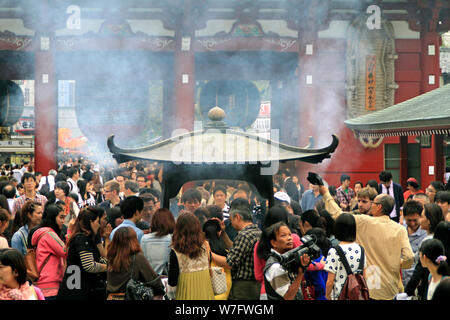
(88, 262)
(279, 278)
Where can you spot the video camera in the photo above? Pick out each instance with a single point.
(291, 260)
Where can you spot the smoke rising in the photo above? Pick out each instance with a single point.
(121, 91)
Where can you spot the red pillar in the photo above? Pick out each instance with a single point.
(403, 161)
(307, 78)
(46, 108)
(430, 67)
(184, 73)
(439, 156)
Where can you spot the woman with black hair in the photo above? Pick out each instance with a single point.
(84, 259)
(13, 278)
(345, 232)
(432, 257)
(50, 250)
(213, 232)
(437, 229)
(328, 223)
(87, 192)
(71, 209)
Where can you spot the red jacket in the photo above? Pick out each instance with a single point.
(49, 245)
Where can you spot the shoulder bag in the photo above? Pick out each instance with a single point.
(30, 260)
(355, 286)
(138, 290)
(218, 278)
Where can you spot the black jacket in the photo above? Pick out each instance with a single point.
(398, 197)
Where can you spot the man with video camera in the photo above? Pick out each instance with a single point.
(284, 268)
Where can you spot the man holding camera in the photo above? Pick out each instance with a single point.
(280, 282)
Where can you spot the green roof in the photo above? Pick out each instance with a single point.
(425, 114)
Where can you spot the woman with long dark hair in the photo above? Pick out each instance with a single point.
(13, 277)
(125, 261)
(432, 257)
(429, 220)
(213, 232)
(50, 250)
(87, 192)
(189, 277)
(84, 258)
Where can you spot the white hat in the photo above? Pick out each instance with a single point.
(282, 196)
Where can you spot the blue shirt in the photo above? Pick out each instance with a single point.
(415, 240)
(20, 239)
(309, 200)
(319, 280)
(128, 223)
(157, 251)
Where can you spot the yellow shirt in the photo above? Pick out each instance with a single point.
(387, 250)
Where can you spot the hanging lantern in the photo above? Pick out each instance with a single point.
(239, 99)
(11, 103)
(112, 107)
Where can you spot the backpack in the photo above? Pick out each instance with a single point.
(355, 286)
(33, 272)
(45, 189)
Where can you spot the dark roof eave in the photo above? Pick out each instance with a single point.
(417, 125)
(306, 155)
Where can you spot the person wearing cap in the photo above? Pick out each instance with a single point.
(283, 199)
(413, 187)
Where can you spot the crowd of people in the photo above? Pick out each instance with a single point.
(90, 229)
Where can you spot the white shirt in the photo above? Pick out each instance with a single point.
(334, 265)
(51, 182)
(391, 193)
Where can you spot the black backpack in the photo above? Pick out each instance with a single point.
(45, 189)
(355, 286)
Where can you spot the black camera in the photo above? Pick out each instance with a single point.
(291, 260)
(315, 179)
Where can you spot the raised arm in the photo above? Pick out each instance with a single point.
(330, 205)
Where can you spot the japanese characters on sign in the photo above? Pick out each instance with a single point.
(370, 82)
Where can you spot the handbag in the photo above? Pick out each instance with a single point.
(218, 280)
(308, 290)
(138, 290)
(30, 260)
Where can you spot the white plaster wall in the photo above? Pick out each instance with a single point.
(215, 26)
(16, 26)
(338, 30)
(149, 27)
